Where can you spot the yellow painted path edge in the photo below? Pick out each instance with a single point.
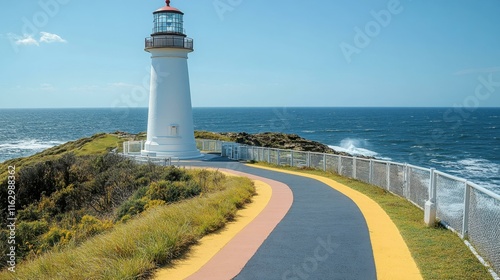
(200, 253)
(392, 257)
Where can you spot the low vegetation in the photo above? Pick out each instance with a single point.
(438, 252)
(134, 249)
(86, 213)
(269, 140)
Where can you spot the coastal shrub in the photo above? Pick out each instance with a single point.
(66, 198)
(153, 203)
(173, 173)
(130, 208)
(29, 214)
(172, 191)
(55, 236)
(132, 250)
(90, 226)
(209, 181)
(27, 235)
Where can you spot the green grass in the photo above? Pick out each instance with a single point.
(438, 252)
(95, 145)
(101, 145)
(154, 238)
(211, 136)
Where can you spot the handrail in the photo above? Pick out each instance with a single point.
(169, 42)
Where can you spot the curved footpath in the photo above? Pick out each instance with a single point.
(324, 235)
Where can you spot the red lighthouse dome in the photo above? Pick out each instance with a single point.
(167, 8)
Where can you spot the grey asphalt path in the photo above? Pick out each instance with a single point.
(323, 236)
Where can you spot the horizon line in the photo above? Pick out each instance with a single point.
(257, 107)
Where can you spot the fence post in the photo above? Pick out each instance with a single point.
(278, 157)
(340, 165)
(388, 178)
(370, 172)
(324, 162)
(406, 193)
(465, 226)
(354, 172)
(291, 158)
(268, 155)
(308, 159)
(430, 205)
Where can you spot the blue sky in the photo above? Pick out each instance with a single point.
(72, 53)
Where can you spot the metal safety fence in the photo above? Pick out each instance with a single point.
(473, 212)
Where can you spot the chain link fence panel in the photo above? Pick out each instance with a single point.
(418, 182)
(379, 176)
(363, 170)
(484, 226)
(299, 159)
(316, 161)
(346, 167)
(397, 179)
(450, 201)
(286, 157)
(332, 163)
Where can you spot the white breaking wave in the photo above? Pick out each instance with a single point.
(23, 148)
(355, 147)
(29, 144)
(474, 168)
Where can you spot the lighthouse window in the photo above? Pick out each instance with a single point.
(174, 130)
(168, 22)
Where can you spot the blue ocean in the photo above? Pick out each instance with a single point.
(461, 141)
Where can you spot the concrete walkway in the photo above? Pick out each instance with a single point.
(324, 235)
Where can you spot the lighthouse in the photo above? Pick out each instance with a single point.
(170, 116)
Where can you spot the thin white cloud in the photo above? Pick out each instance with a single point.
(30, 40)
(121, 85)
(51, 38)
(47, 87)
(25, 40)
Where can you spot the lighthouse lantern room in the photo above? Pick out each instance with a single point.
(170, 117)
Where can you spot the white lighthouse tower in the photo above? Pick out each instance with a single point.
(170, 117)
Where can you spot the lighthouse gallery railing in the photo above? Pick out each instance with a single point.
(473, 212)
(169, 42)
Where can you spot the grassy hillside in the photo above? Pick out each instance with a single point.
(96, 145)
(71, 195)
(134, 249)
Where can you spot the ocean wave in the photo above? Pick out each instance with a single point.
(29, 144)
(356, 147)
(26, 147)
(473, 168)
